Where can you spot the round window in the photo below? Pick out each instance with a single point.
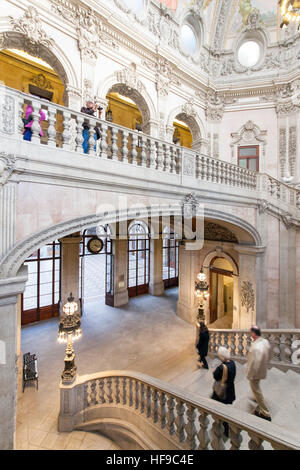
(135, 5)
(249, 53)
(188, 39)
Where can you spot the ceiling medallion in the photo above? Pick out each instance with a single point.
(290, 12)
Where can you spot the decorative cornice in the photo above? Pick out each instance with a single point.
(30, 26)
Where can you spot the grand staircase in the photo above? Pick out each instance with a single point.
(281, 389)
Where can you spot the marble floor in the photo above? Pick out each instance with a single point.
(140, 336)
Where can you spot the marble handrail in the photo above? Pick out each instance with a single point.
(163, 414)
(285, 345)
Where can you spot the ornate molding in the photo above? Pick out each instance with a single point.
(128, 76)
(286, 108)
(164, 75)
(41, 81)
(247, 296)
(7, 106)
(30, 26)
(249, 134)
(7, 167)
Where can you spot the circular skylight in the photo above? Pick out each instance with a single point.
(249, 53)
(188, 39)
(135, 5)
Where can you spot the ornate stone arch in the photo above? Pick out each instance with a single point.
(220, 253)
(249, 134)
(127, 83)
(27, 34)
(187, 114)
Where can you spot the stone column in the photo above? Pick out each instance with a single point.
(156, 285)
(10, 290)
(247, 286)
(120, 272)
(70, 269)
(187, 306)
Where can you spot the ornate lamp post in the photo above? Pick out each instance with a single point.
(201, 290)
(69, 329)
(290, 12)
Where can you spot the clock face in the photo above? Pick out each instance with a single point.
(95, 245)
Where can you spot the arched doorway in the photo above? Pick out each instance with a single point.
(182, 134)
(221, 293)
(138, 258)
(124, 111)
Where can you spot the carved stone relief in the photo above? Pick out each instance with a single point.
(247, 296)
(7, 114)
(7, 166)
(41, 81)
(30, 26)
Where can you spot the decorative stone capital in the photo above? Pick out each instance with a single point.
(285, 108)
(7, 167)
(128, 76)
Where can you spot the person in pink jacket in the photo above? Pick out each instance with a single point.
(28, 121)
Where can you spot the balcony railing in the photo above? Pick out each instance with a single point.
(155, 415)
(63, 129)
(285, 346)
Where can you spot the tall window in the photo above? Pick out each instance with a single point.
(138, 258)
(248, 157)
(96, 273)
(42, 292)
(170, 258)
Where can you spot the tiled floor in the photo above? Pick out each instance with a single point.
(140, 337)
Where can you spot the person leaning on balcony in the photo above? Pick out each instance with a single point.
(90, 109)
(202, 344)
(258, 359)
(28, 121)
(224, 375)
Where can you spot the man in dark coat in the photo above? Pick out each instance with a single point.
(202, 345)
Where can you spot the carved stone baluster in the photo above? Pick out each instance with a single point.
(225, 173)
(114, 145)
(88, 392)
(172, 162)
(203, 169)
(155, 406)
(217, 435)
(171, 415)
(142, 390)
(286, 341)
(198, 167)
(222, 172)
(191, 428)
(130, 393)
(225, 340)
(255, 442)
(167, 158)
(178, 160)
(124, 152)
(163, 410)
(92, 142)
(217, 171)
(36, 128)
(213, 171)
(117, 390)
(102, 391)
(275, 344)
(203, 436)
(180, 421)
(51, 129)
(248, 343)
(20, 118)
(66, 135)
(235, 437)
(103, 144)
(79, 136)
(149, 401)
(240, 345)
(137, 398)
(143, 141)
(232, 344)
(109, 390)
(124, 383)
(160, 163)
(97, 392)
(208, 169)
(134, 153)
(152, 160)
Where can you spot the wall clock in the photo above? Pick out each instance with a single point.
(95, 245)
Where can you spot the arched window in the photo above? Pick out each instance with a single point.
(41, 297)
(96, 270)
(170, 258)
(138, 258)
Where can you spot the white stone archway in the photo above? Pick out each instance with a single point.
(128, 83)
(220, 253)
(34, 41)
(190, 117)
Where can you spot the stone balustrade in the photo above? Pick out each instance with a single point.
(152, 414)
(285, 346)
(63, 130)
